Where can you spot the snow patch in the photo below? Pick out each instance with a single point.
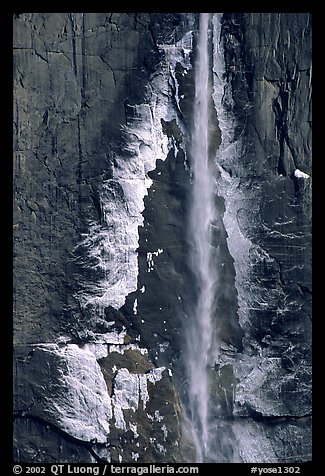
(161, 448)
(155, 374)
(163, 346)
(151, 264)
(155, 417)
(120, 349)
(133, 427)
(126, 390)
(299, 174)
(165, 431)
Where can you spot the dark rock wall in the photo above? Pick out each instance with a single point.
(78, 79)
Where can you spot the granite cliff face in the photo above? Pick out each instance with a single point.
(102, 175)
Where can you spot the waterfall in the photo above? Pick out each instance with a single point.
(200, 335)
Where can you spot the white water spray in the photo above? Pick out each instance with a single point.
(200, 336)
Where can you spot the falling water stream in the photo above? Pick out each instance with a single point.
(200, 332)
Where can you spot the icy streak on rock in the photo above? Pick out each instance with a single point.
(111, 246)
(264, 381)
(228, 186)
(144, 395)
(79, 402)
(130, 390)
